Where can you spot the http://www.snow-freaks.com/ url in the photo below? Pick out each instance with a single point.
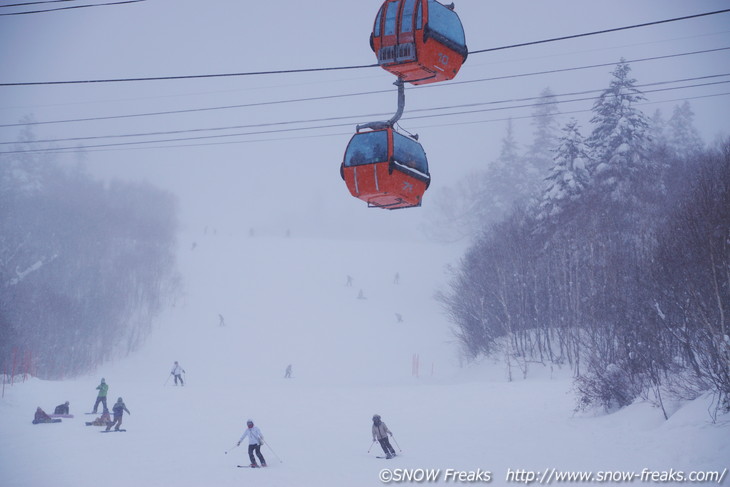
(549, 476)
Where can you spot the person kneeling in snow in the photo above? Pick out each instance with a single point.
(41, 417)
(62, 408)
(381, 433)
(255, 440)
(118, 411)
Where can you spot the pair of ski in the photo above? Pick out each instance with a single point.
(113, 431)
(388, 458)
(249, 466)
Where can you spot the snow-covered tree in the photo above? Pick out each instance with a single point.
(505, 181)
(658, 130)
(484, 197)
(84, 266)
(545, 134)
(682, 135)
(569, 176)
(619, 142)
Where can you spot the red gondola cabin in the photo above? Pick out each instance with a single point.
(420, 41)
(385, 169)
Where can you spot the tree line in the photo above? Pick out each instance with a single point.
(84, 265)
(617, 263)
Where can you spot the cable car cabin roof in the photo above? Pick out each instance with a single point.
(421, 41)
(385, 169)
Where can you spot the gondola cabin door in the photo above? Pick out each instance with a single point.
(385, 169)
(420, 41)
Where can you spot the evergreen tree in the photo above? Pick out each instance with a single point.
(569, 176)
(505, 181)
(546, 134)
(683, 137)
(658, 131)
(620, 140)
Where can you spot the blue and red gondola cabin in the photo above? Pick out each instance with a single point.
(385, 169)
(420, 41)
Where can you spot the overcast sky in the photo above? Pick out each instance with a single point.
(290, 179)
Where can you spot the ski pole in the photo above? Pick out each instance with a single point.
(272, 451)
(168, 378)
(232, 448)
(371, 446)
(396, 443)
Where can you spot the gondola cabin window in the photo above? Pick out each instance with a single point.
(367, 148)
(409, 153)
(444, 22)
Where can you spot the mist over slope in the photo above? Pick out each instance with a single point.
(287, 301)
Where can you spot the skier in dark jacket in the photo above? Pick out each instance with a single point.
(381, 433)
(118, 410)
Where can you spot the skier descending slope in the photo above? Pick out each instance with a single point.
(177, 371)
(381, 433)
(255, 440)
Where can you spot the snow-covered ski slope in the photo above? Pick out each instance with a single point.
(285, 300)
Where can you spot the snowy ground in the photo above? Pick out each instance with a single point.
(284, 300)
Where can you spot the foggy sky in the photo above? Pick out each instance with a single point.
(291, 180)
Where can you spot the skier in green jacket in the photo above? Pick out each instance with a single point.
(101, 397)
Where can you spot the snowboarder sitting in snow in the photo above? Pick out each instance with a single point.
(381, 433)
(102, 420)
(118, 411)
(41, 417)
(177, 371)
(62, 408)
(255, 440)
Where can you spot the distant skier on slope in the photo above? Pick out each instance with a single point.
(381, 433)
(118, 410)
(177, 371)
(103, 388)
(255, 440)
(287, 372)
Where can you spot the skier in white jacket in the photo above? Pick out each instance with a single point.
(177, 371)
(255, 440)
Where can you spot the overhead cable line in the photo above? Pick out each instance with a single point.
(338, 68)
(597, 32)
(327, 97)
(130, 146)
(297, 129)
(34, 3)
(418, 110)
(71, 7)
(575, 68)
(338, 134)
